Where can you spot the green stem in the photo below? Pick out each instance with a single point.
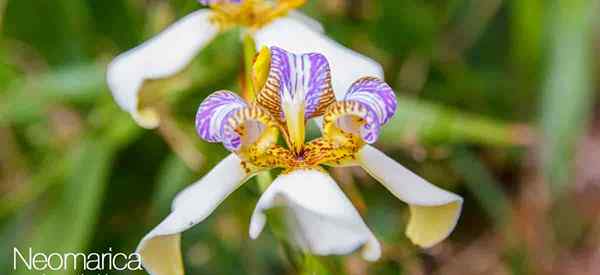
(429, 123)
(264, 179)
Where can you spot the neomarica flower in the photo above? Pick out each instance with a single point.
(294, 89)
(270, 23)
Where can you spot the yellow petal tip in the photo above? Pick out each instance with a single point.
(147, 118)
(260, 68)
(430, 225)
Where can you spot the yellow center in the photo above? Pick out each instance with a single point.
(335, 148)
(252, 14)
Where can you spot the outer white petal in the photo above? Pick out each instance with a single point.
(307, 20)
(160, 249)
(434, 211)
(295, 35)
(323, 220)
(163, 55)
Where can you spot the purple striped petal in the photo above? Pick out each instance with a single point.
(378, 98)
(212, 118)
(297, 79)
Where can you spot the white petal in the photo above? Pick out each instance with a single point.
(164, 55)
(323, 220)
(307, 20)
(434, 211)
(294, 35)
(159, 250)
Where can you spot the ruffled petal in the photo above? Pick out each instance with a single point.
(225, 117)
(301, 80)
(368, 105)
(213, 115)
(162, 56)
(160, 249)
(376, 95)
(346, 65)
(434, 211)
(323, 221)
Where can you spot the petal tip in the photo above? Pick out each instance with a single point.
(372, 250)
(256, 225)
(430, 225)
(147, 118)
(213, 113)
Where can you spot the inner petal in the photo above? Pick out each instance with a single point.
(350, 124)
(250, 131)
(296, 79)
(298, 87)
(368, 105)
(250, 126)
(224, 117)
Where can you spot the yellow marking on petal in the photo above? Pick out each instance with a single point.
(338, 110)
(257, 159)
(260, 68)
(294, 118)
(259, 151)
(429, 225)
(330, 152)
(239, 122)
(269, 96)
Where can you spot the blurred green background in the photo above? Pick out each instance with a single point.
(497, 102)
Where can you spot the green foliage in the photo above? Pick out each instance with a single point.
(568, 93)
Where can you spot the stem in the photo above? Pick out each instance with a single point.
(429, 123)
(249, 48)
(313, 266)
(264, 179)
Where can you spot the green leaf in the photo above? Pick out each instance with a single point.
(72, 215)
(28, 99)
(568, 92)
(482, 184)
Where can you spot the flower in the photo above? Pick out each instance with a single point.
(297, 88)
(271, 23)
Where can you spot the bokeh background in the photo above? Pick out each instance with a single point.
(498, 101)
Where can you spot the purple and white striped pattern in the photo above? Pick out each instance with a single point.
(380, 101)
(210, 2)
(212, 118)
(297, 79)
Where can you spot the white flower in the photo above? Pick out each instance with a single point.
(321, 218)
(272, 24)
